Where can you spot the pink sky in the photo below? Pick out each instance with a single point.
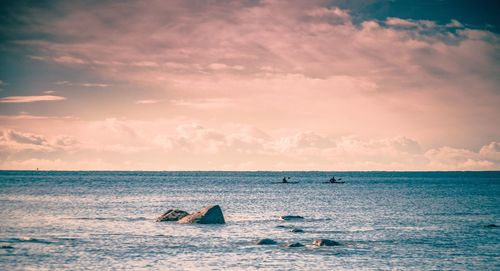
(273, 85)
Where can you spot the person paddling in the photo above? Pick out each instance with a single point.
(332, 180)
(284, 180)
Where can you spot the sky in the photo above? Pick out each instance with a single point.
(250, 85)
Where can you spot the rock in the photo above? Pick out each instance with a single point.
(297, 230)
(172, 215)
(208, 215)
(492, 226)
(294, 245)
(291, 217)
(266, 242)
(325, 242)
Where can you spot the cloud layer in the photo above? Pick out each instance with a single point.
(181, 145)
(253, 85)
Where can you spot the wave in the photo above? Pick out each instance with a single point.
(45, 241)
(131, 219)
(24, 239)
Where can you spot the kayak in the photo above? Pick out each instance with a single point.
(285, 183)
(333, 182)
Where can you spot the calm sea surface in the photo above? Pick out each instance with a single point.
(384, 220)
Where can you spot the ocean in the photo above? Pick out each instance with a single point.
(81, 220)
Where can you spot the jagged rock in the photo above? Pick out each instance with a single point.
(325, 242)
(294, 245)
(291, 217)
(297, 230)
(172, 215)
(266, 242)
(208, 215)
(492, 226)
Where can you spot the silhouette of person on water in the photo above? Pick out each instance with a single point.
(332, 180)
(284, 180)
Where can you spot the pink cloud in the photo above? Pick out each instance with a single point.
(188, 145)
(31, 99)
(69, 60)
(329, 92)
(148, 101)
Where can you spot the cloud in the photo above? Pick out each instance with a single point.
(189, 145)
(491, 151)
(329, 12)
(149, 101)
(208, 103)
(68, 83)
(25, 138)
(454, 23)
(221, 66)
(12, 141)
(447, 158)
(69, 60)
(330, 90)
(31, 99)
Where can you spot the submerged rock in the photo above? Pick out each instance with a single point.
(297, 230)
(208, 215)
(172, 215)
(294, 245)
(492, 226)
(266, 242)
(325, 242)
(291, 217)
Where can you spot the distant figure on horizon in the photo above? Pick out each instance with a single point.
(332, 180)
(284, 180)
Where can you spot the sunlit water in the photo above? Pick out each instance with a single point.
(105, 220)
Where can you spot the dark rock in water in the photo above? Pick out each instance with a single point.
(291, 217)
(325, 242)
(172, 215)
(266, 242)
(208, 215)
(294, 245)
(492, 226)
(7, 247)
(297, 230)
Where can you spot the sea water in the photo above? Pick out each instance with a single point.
(383, 220)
